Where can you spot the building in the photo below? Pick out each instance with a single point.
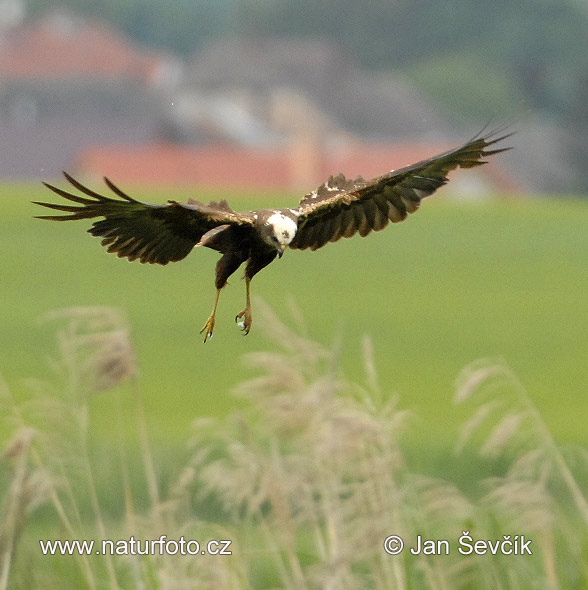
(66, 84)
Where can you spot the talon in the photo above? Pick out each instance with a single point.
(245, 323)
(208, 328)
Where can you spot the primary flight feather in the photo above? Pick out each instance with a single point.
(339, 208)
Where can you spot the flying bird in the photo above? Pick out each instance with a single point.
(338, 208)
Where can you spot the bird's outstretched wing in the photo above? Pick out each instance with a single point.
(340, 207)
(151, 233)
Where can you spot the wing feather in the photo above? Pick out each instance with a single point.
(411, 205)
(327, 230)
(340, 225)
(342, 207)
(156, 234)
(394, 214)
(381, 219)
(348, 224)
(364, 227)
(369, 209)
(309, 235)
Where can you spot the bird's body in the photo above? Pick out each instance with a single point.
(339, 208)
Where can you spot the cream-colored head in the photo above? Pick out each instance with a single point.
(278, 231)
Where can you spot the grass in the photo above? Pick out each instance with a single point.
(456, 282)
(309, 478)
(316, 462)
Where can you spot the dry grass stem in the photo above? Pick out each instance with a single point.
(309, 478)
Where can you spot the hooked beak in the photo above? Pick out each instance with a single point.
(281, 250)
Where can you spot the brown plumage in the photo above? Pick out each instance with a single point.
(339, 208)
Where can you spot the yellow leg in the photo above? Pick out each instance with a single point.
(245, 315)
(209, 325)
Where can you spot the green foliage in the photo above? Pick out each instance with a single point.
(455, 282)
(467, 86)
(528, 47)
(310, 475)
(181, 26)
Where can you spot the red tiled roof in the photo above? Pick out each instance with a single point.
(168, 164)
(62, 47)
(232, 166)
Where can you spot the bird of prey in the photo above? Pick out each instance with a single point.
(338, 208)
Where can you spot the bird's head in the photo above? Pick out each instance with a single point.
(278, 231)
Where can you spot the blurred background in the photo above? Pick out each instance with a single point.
(258, 102)
(291, 89)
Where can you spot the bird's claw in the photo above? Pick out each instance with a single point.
(243, 320)
(208, 328)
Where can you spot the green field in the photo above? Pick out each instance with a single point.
(459, 281)
(456, 282)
